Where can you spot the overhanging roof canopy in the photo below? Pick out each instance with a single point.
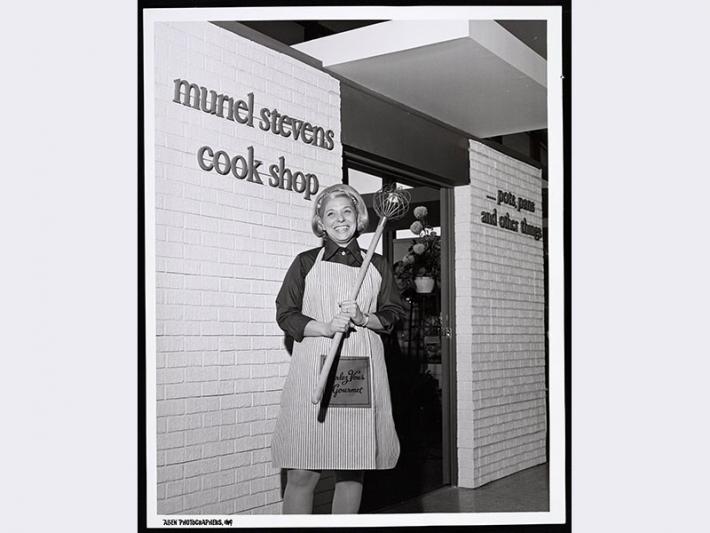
(471, 74)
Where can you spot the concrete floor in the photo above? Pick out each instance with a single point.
(525, 491)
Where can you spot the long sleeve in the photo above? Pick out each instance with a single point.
(289, 301)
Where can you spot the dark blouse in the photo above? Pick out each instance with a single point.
(290, 298)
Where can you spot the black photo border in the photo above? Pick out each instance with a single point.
(567, 258)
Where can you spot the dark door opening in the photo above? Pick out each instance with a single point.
(416, 353)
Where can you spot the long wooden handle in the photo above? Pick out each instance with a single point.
(338, 337)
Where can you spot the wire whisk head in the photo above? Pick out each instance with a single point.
(391, 202)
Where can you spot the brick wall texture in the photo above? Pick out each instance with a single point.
(222, 249)
(500, 331)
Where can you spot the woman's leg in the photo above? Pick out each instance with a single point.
(298, 497)
(348, 491)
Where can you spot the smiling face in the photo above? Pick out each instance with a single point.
(339, 220)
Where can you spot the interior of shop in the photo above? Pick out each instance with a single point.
(413, 351)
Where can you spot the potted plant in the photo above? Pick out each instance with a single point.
(420, 267)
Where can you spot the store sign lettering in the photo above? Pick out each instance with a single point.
(247, 168)
(242, 112)
(505, 221)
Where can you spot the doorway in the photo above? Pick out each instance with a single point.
(419, 352)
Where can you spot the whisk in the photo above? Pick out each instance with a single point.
(390, 203)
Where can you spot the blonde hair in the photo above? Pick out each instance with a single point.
(327, 194)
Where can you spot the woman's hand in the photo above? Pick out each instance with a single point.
(339, 324)
(352, 310)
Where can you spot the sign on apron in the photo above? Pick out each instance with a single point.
(349, 385)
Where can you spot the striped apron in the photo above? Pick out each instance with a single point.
(358, 437)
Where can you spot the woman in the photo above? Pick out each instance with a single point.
(352, 430)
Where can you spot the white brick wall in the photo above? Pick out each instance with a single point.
(223, 246)
(500, 331)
